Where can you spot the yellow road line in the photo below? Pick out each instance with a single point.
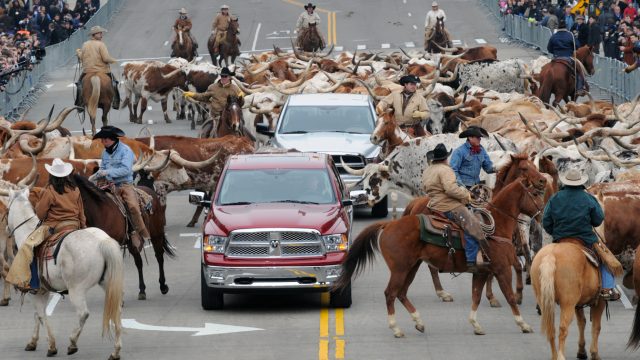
(324, 322)
(339, 348)
(334, 28)
(339, 322)
(323, 344)
(323, 350)
(329, 28)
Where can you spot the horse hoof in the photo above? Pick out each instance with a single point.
(72, 350)
(398, 335)
(582, 355)
(479, 332)
(30, 347)
(168, 121)
(191, 224)
(595, 356)
(4, 302)
(142, 296)
(495, 303)
(52, 352)
(527, 330)
(447, 298)
(420, 328)
(111, 357)
(164, 289)
(518, 301)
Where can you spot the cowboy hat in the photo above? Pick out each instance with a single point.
(183, 11)
(434, 4)
(224, 7)
(97, 29)
(574, 177)
(109, 132)
(438, 153)
(226, 72)
(310, 5)
(59, 168)
(409, 79)
(473, 130)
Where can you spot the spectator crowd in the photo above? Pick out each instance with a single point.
(612, 30)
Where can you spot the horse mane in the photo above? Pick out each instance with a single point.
(87, 187)
(501, 174)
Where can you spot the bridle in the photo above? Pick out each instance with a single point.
(528, 191)
(12, 231)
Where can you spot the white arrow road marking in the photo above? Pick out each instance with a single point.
(255, 38)
(52, 303)
(409, 44)
(49, 86)
(208, 329)
(624, 299)
(166, 43)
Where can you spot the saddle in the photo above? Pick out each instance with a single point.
(437, 229)
(591, 255)
(568, 62)
(49, 250)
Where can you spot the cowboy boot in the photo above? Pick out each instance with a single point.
(79, 101)
(115, 104)
(136, 241)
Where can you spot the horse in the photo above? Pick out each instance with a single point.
(182, 46)
(439, 38)
(6, 255)
(634, 338)
(231, 121)
(97, 92)
(229, 47)
(309, 39)
(403, 251)
(557, 77)
(102, 212)
(387, 134)
(86, 258)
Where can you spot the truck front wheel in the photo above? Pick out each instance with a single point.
(212, 299)
(341, 298)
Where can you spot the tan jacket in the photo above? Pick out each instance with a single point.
(216, 96)
(52, 208)
(182, 24)
(395, 100)
(304, 19)
(439, 182)
(94, 57)
(221, 22)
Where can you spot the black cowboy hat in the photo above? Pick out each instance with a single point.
(109, 132)
(309, 5)
(409, 79)
(226, 72)
(474, 131)
(438, 153)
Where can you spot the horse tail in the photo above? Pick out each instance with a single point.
(113, 279)
(168, 248)
(548, 296)
(546, 86)
(634, 338)
(92, 104)
(362, 250)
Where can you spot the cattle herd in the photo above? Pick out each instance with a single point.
(462, 87)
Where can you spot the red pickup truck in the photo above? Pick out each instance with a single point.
(275, 222)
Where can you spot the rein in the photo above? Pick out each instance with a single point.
(528, 193)
(12, 231)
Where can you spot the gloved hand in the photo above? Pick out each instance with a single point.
(98, 175)
(419, 114)
(188, 94)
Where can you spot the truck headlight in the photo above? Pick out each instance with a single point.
(336, 242)
(214, 243)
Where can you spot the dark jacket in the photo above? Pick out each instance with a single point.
(572, 212)
(561, 44)
(581, 32)
(595, 35)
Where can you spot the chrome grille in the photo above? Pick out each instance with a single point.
(274, 244)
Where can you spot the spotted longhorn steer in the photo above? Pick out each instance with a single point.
(502, 76)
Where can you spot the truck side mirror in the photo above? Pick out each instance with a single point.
(264, 130)
(197, 198)
(347, 202)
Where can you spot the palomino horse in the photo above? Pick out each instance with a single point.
(102, 212)
(229, 47)
(310, 40)
(439, 38)
(97, 92)
(557, 77)
(403, 251)
(182, 46)
(86, 258)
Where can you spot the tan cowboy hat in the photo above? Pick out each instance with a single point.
(224, 7)
(59, 168)
(96, 30)
(434, 4)
(183, 11)
(574, 177)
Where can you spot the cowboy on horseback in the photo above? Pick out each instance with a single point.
(216, 95)
(409, 106)
(432, 19)
(94, 58)
(59, 208)
(220, 26)
(302, 25)
(562, 45)
(117, 168)
(572, 213)
(183, 23)
(469, 158)
(449, 197)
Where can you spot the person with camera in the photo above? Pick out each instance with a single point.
(580, 31)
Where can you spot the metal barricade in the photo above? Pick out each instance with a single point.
(21, 85)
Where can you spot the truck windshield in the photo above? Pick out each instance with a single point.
(310, 119)
(306, 186)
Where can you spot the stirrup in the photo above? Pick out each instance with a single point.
(609, 294)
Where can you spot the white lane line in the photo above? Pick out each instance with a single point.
(481, 41)
(385, 46)
(415, 27)
(48, 86)
(189, 234)
(75, 131)
(625, 300)
(456, 42)
(397, 209)
(197, 244)
(166, 43)
(409, 44)
(338, 48)
(255, 37)
(361, 47)
(409, 14)
(52, 303)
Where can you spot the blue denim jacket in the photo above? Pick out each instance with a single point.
(467, 166)
(119, 165)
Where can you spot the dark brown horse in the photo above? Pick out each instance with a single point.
(231, 121)
(102, 212)
(557, 77)
(310, 40)
(403, 251)
(229, 47)
(439, 38)
(182, 45)
(97, 92)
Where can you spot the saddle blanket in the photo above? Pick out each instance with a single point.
(432, 232)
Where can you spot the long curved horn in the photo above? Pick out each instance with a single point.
(161, 166)
(242, 87)
(446, 49)
(297, 53)
(175, 157)
(373, 95)
(335, 86)
(34, 169)
(328, 52)
(4, 192)
(60, 118)
(255, 110)
(351, 170)
(457, 106)
(24, 146)
(17, 133)
(171, 74)
(259, 70)
(499, 143)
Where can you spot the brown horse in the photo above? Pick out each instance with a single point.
(97, 92)
(439, 38)
(403, 251)
(310, 40)
(634, 338)
(557, 77)
(182, 45)
(229, 47)
(102, 212)
(388, 134)
(231, 121)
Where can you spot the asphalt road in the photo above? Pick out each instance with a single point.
(298, 326)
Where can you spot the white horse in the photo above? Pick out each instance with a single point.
(86, 257)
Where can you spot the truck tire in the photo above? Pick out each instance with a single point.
(381, 209)
(341, 298)
(212, 299)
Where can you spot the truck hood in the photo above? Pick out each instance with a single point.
(329, 143)
(319, 217)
